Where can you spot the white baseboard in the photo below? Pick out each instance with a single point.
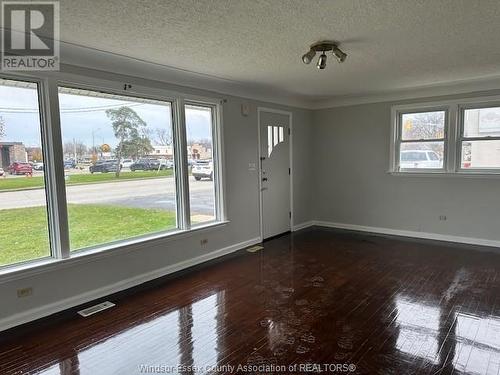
(304, 225)
(52, 308)
(493, 244)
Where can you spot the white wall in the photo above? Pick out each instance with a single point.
(59, 288)
(351, 161)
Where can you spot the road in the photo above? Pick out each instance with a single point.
(148, 193)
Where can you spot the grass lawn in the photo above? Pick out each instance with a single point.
(23, 231)
(14, 183)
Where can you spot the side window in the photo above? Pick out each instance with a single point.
(420, 134)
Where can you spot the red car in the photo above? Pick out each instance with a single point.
(20, 168)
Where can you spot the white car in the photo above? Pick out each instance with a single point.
(2, 172)
(203, 169)
(166, 163)
(420, 159)
(126, 163)
(38, 166)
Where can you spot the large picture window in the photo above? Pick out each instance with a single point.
(24, 233)
(92, 169)
(460, 137)
(118, 163)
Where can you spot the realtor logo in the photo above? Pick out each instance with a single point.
(30, 35)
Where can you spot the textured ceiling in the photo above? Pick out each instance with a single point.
(392, 44)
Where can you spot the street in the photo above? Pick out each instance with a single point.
(156, 193)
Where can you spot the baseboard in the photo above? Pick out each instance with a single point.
(492, 244)
(46, 310)
(304, 225)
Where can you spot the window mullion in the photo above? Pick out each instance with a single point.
(181, 165)
(54, 169)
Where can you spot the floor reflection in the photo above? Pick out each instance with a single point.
(189, 342)
(388, 307)
(447, 336)
(418, 329)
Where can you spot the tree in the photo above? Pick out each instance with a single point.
(36, 154)
(136, 147)
(163, 136)
(127, 125)
(74, 149)
(425, 125)
(2, 127)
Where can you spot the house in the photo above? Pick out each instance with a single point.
(11, 152)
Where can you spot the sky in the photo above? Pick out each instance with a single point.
(84, 116)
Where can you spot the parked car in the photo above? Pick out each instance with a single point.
(1, 172)
(104, 166)
(419, 159)
(126, 163)
(146, 165)
(166, 163)
(38, 166)
(69, 164)
(203, 169)
(20, 168)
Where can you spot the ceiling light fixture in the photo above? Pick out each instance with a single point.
(323, 47)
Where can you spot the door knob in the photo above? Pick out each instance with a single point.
(264, 179)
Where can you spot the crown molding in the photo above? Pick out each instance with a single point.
(418, 92)
(90, 58)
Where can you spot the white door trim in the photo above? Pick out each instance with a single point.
(290, 145)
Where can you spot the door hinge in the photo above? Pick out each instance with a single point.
(289, 131)
(289, 171)
(290, 214)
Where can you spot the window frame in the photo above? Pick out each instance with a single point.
(454, 131)
(216, 124)
(55, 187)
(462, 138)
(397, 138)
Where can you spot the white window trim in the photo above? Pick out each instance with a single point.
(453, 137)
(48, 84)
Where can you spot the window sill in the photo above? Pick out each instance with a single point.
(492, 175)
(27, 269)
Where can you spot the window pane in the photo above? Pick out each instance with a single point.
(428, 155)
(24, 231)
(481, 154)
(482, 122)
(423, 125)
(199, 139)
(118, 162)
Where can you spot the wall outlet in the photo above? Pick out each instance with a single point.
(24, 292)
(443, 217)
(203, 242)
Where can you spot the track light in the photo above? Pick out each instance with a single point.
(341, 56)
(323, 47)
(322, 61)
(307, 58)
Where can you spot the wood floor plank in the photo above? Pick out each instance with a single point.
(317, 297)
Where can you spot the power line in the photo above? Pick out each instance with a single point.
(68, 110)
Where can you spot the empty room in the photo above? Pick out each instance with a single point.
(250, 187)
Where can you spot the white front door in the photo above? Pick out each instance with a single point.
(275, 172)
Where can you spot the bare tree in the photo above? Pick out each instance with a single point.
(423, 126)
(163, 136)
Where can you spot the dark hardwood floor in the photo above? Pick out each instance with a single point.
(371, 304)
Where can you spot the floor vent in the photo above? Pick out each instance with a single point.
(255, 248)
(95, 309)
